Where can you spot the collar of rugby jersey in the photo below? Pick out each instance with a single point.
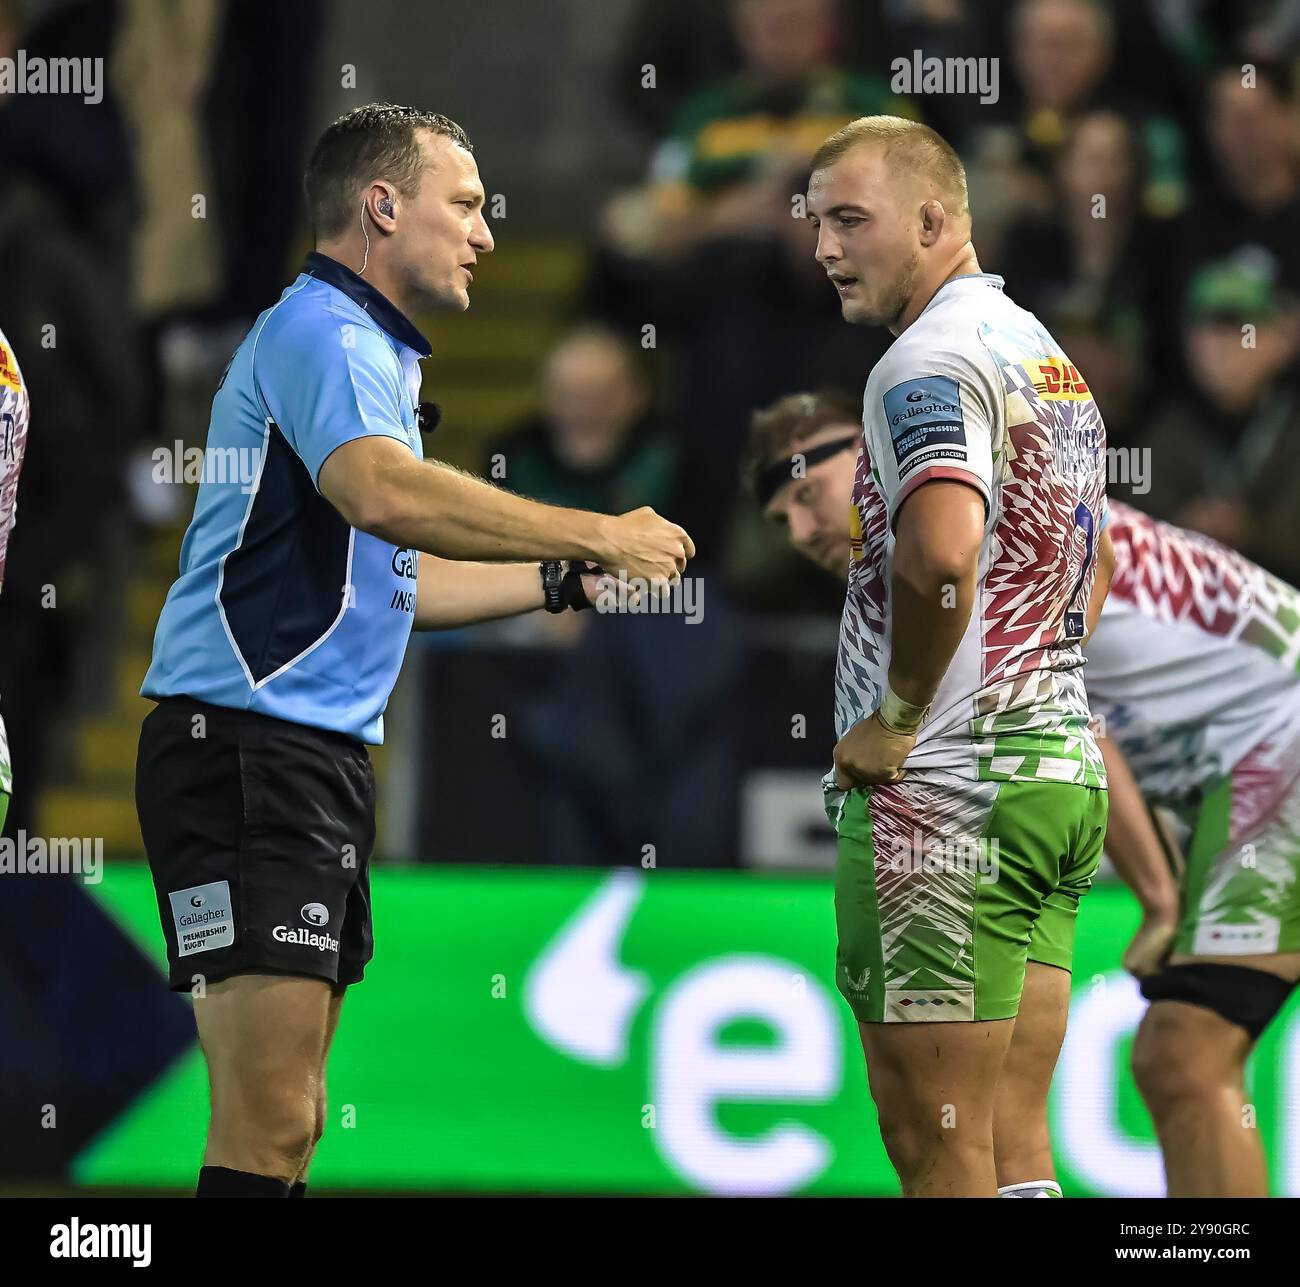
(367, 298)
(958, 285)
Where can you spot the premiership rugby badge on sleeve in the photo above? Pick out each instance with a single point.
(925, 422)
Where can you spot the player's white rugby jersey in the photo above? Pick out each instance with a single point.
(976, 390)
(1194, 662)
(13, 442)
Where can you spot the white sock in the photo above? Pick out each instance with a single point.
(1031, 1189)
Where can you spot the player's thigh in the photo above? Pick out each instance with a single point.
(931, 1073)
(929, 930)
(331, 1027)
(263, 1036)
(1038, 1036)
(337, 993)
(1184, 1048)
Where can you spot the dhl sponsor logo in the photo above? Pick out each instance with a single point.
(1056, 379)
(8, 372)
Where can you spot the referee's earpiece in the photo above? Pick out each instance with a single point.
(385, 207)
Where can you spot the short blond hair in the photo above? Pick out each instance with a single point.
(909, 147)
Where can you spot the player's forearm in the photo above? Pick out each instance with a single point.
(933, 585)
(444, 512)
(931, 609)
(1131, 840)
(450, 594)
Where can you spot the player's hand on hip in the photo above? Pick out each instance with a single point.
(641, 545)
(870, 753)
(1151, 944)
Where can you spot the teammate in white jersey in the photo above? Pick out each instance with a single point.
(14, 410)
(968, 790)
(1194, 674)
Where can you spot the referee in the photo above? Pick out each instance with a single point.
(314, 549)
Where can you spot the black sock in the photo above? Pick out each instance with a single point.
(298, 1190)
(221, 1182)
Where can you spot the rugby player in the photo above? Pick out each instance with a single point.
(15, 410)
(1193, 670)
(1192, 673)
(280, 641)
(963, 725)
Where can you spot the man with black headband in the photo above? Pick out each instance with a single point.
(801, 451)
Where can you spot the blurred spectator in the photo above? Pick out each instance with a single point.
(1250, 126)
(65, 208)
(594, 444)
(218, 95)
(946, 29)
(1085, 266)
(628, 721)
(688, 43)
(1250, 203)
(739, 148)
(165, 57)
(632, 741)
(258, 118)
(1062, 59)
(1225, 451)
(716, 255)
(693, 43)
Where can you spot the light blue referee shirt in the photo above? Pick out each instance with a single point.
(281, 607)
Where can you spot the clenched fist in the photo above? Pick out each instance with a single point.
(641, 545)
(871, 753)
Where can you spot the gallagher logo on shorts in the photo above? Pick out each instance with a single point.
(313, 914)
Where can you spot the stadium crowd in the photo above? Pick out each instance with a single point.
(1135, 179)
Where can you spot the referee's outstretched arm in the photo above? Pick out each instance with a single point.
(380, 487)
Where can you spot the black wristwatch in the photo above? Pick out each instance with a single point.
(553, 585)
(565, 589)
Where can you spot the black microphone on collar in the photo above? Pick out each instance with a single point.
(428, 416)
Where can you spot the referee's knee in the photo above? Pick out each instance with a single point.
(292, 1136)
(272, 1134)
(318, 1128)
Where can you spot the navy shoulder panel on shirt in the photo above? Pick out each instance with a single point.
(282, 586)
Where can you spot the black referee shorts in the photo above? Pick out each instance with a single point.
(259, 835)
